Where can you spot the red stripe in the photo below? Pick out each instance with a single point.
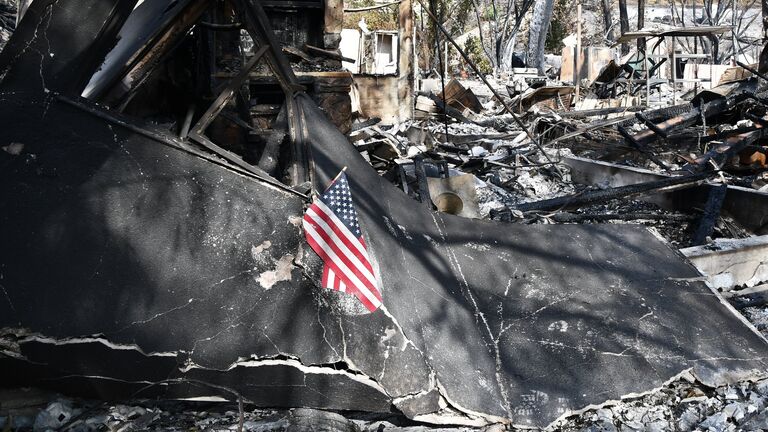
(343, 236)
(352, 267)
(351, 288)
(337, 263)
(324, 280)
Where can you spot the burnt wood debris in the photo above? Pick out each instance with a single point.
(564, 207)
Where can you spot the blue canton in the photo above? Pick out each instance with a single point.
(339, 200)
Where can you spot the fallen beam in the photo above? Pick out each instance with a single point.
(329, 54)
(747, 206)
(598, 196)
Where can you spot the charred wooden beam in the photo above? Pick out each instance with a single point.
(117, 89)
(594, 197)
(226, 94)
(298, 53)
(257, 24)
(601, 217)
(642, 147)
(327, 53)
(718, 155)
(219, 157)
(706, 110)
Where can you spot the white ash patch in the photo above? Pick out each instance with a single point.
(282, 272)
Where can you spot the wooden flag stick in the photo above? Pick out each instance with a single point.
(337, 177)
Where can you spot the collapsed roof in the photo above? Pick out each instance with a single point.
(138, 261)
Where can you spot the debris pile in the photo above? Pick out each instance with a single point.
(684, 405)
(694, 173)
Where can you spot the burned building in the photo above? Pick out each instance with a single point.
(157, 164)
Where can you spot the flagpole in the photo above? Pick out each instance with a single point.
(337, 177)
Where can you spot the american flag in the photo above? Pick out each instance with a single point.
(332, 230)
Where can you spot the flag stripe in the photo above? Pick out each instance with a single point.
(341, 252)
(326, 275)
(357, 242)
(342, 232)
(331, 278)
(343, 246)
(319, 245)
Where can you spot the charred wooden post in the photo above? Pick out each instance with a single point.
(763, 60)
(640, 24)
(624, 24)
(421, 181)
(711, 213)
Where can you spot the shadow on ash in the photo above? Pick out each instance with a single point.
(148, 253)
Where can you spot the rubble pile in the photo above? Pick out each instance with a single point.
(684, 405)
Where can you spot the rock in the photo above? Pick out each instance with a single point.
(631, 426)
(604, 415)
(735, 411)
(758, 422)
(267, 425)
(689, 418)
(55, 415)
(478, 151)
(731, 394)
(311, 420)
(717, 422)
(762, 388)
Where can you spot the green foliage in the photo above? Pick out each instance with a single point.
(377, 19)
(463, 11)
(477, 55)
(563, 23)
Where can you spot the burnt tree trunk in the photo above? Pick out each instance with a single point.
(624, 24)
(537, 33)
(763, 62)
(608, 20)
(641, 23)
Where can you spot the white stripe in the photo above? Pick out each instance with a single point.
(344, 249)
(352, 239)
(342, 287)
(331, 254)
(331, 276)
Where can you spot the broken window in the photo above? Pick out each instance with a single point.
(370, 37)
